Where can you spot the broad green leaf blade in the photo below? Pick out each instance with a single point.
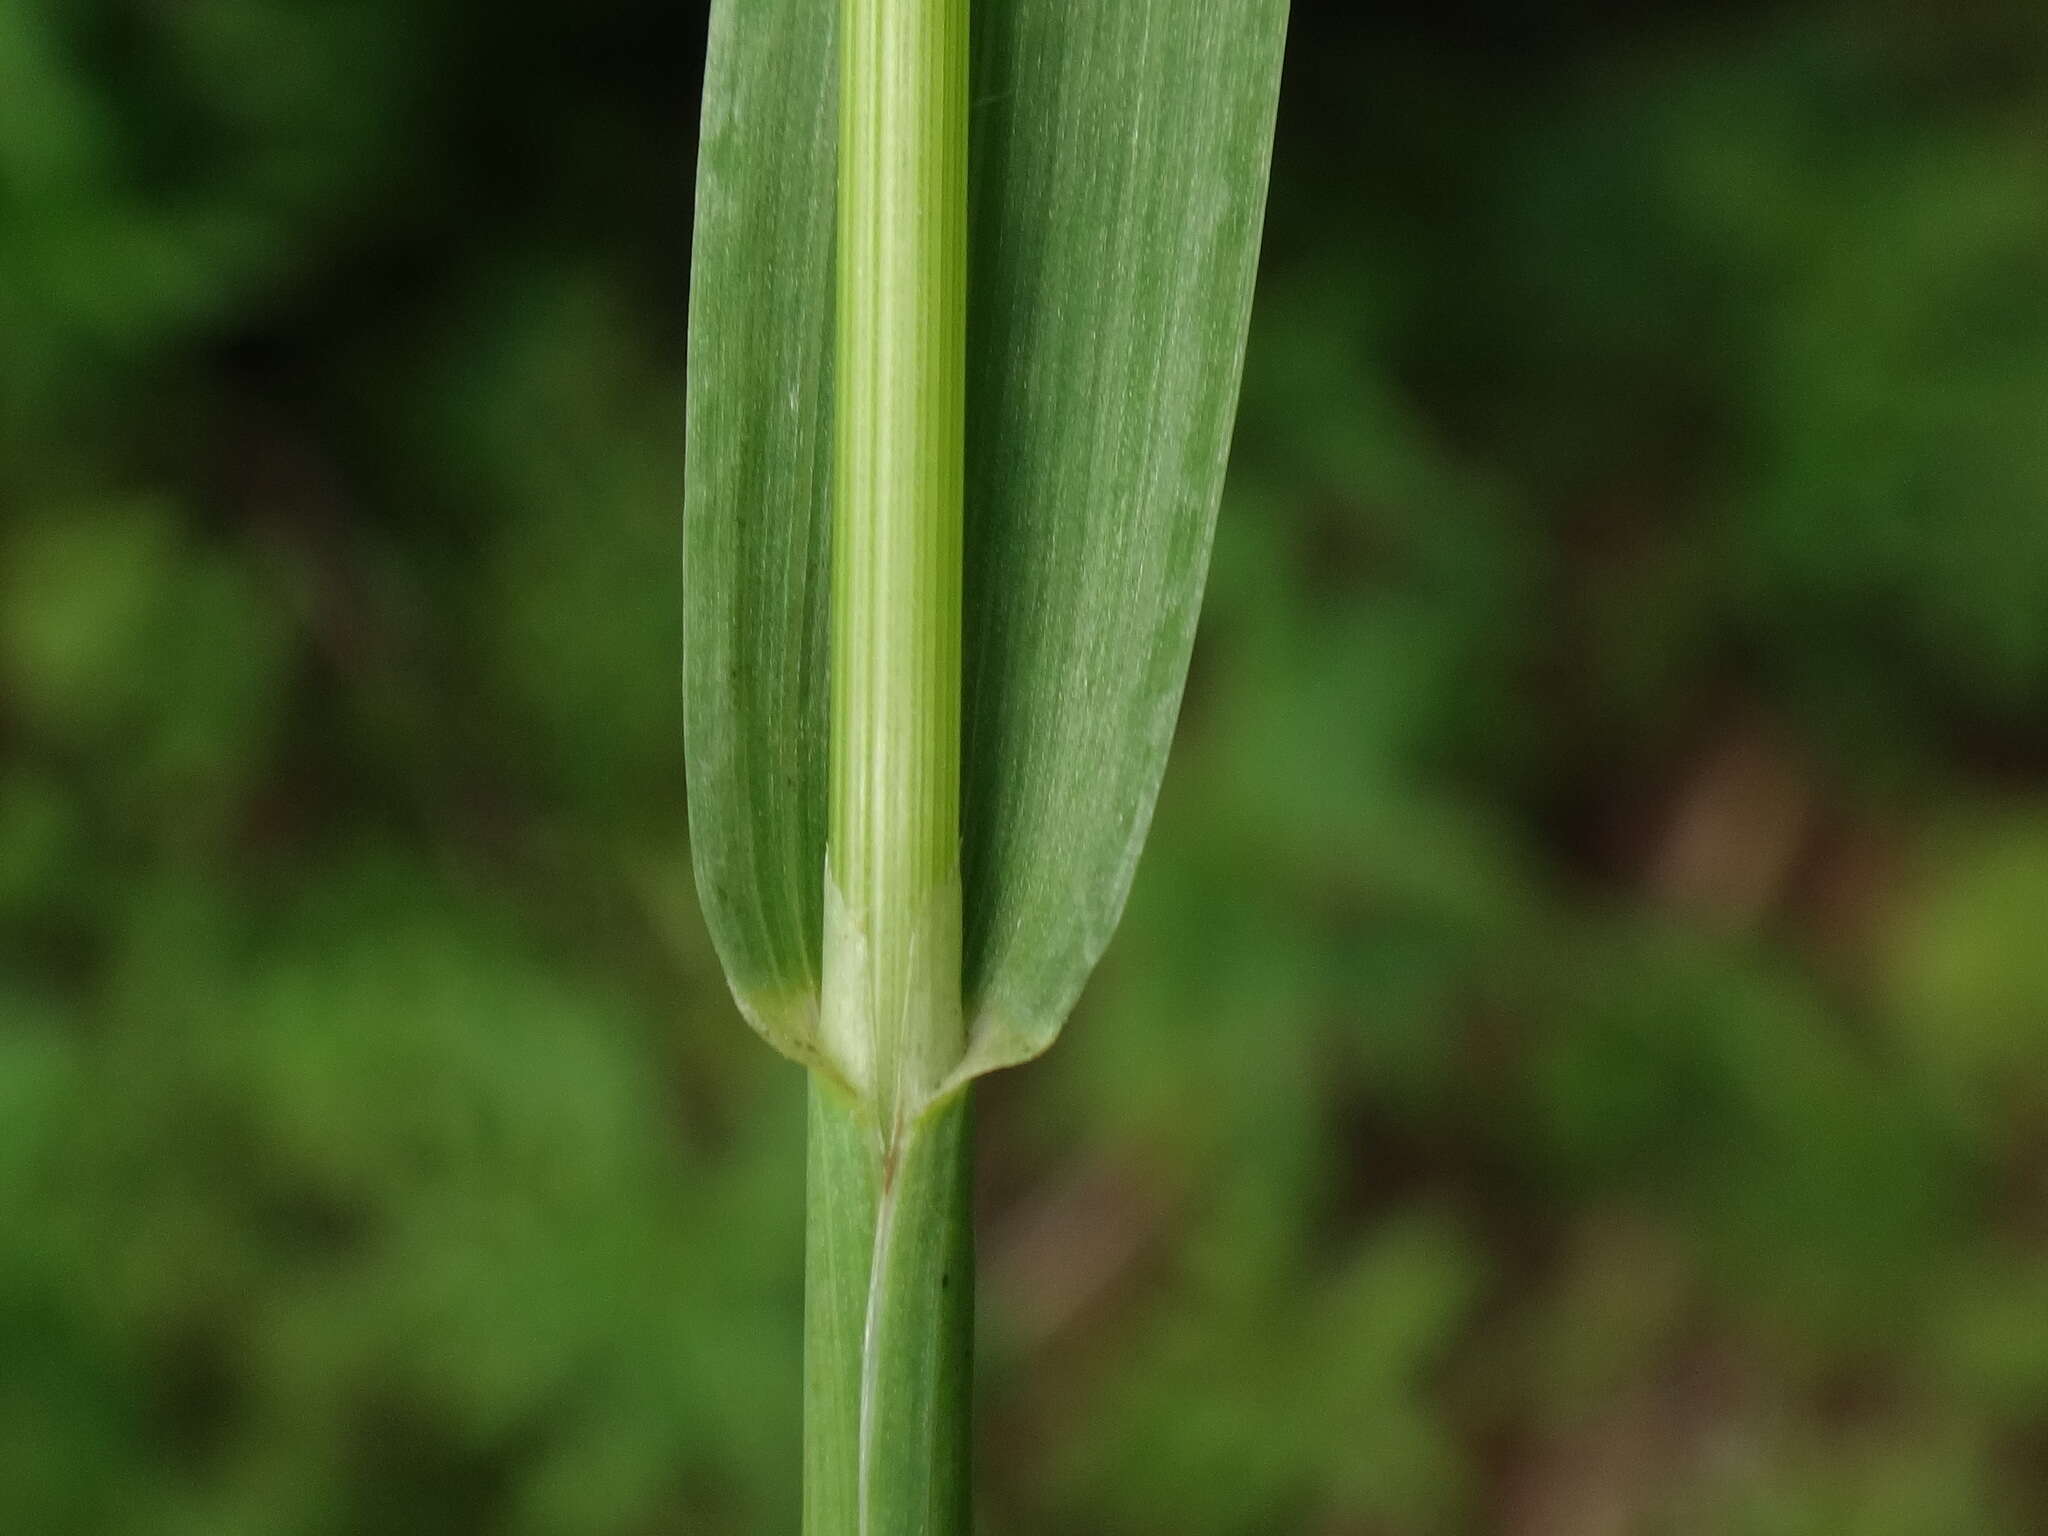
(1118, 182)
(1119, 153)
(758, 503)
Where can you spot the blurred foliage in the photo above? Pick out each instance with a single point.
(1576, 1056)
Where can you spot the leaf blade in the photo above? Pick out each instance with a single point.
(1120, 184)
(757, 488)
(1119, 156)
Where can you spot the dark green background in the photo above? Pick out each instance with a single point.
(1576, 1061)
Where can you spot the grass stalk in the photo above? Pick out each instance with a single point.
(888, 1326)
(888, 1308)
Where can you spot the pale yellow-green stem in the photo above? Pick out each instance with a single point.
(889, 1272)
(892, 964)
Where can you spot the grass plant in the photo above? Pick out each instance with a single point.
(968, 317)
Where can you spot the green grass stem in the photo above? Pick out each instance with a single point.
(888, 1310)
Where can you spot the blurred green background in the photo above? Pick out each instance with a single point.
(1576, 1060)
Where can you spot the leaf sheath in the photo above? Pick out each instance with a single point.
(892, 906)
(888, 1324)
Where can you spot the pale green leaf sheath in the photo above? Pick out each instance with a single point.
(892, 878)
